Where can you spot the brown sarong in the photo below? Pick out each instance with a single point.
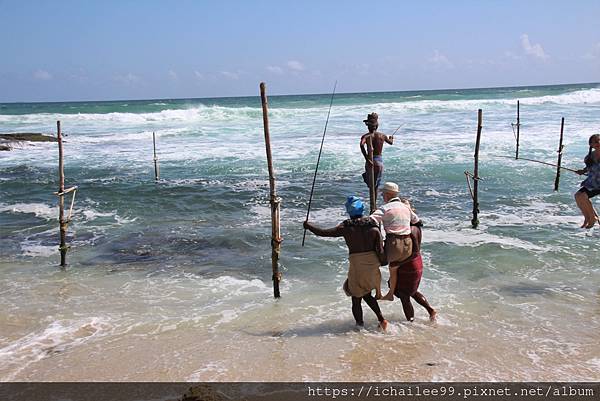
(397, 248)
(363, 274)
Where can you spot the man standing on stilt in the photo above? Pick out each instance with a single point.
(376, 140)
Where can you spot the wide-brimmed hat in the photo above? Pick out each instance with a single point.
(390, 187)
(372, 119)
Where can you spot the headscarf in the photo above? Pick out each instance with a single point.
(354, 207)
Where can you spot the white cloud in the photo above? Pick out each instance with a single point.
(275, 69)
(440, 59)
(80, 75)
(42, 75)
(128, 79)
(173, 75)
(230, 75)
(198, 75)
(295, 65)
(594, 53)
(534, 50)
(511, 56)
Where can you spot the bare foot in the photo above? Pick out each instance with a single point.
(592, 223)
(383, 325)
(388, 297)
(433, 315)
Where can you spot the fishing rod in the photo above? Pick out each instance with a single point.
(538, 161)
(318, 159)
(401, 125)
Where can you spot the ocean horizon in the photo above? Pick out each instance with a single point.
(182, 267)
(339, 93)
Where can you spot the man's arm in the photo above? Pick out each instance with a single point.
(336, 231)
(389, 139)
(414, 219)
(363, 150)
(377, 216)
(378, 246)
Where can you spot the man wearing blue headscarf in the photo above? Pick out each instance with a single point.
(365, 248)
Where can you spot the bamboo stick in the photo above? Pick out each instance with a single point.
(518, 130)
(156, 169)
(371, 172)
(560, 153)
(539, 161)
(61, 200)
(475, 220)
(274, 199)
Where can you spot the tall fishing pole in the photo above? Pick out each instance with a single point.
(318, 159)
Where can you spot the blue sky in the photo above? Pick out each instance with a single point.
(84, 50)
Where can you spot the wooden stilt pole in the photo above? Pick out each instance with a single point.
(560, 152)
(371, 172)
(156, 169)
(62, 221)
(518, 130)
(475, 220)
(274, 199)
(61, 200)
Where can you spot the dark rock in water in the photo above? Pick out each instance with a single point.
(27, 136)
(5, 147)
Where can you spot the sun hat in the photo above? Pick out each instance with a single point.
(354, 206)
(371, 119)
(390, 187)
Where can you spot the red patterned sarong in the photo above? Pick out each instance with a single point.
(409, 276)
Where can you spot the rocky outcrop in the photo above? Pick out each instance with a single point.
(7, 140)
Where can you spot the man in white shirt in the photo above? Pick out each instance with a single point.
(396, 218)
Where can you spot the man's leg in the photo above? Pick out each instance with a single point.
(393, 281)
(409, 311)
(421, 300)
(372, 302)
(587, 209)
(357, 311)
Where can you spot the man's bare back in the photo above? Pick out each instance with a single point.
(378, 139)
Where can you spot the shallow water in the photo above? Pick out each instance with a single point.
(172, 281)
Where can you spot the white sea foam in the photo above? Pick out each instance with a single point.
(37, 250)
(473, 238)
(233, 286)
(38, 209)
(57, 337)
(214, 115)
(211, 370)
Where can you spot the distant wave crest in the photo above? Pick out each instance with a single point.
(215, 114)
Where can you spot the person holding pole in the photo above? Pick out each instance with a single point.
(590, 187)
(365, 248)
(396, 218)
(373, 141)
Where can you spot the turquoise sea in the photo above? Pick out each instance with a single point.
(171, 281)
